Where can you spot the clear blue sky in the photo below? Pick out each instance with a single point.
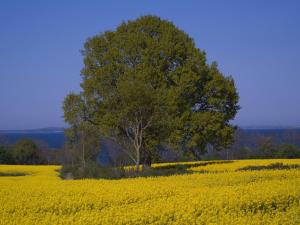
(257, 42)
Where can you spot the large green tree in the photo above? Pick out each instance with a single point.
(147, 84)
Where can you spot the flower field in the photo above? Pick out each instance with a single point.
(209, 193)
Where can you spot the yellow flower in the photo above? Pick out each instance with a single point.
(212, 194)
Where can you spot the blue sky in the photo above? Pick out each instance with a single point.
(257, 42)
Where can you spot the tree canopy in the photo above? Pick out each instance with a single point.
(25, 151)
(146, 84)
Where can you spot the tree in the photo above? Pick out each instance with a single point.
(266, 147)
(25, 151)
(5, 155)
(288, 151)
(146, 84)
(83, 138)
(239, 148)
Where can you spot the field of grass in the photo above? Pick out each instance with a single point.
(213, 192)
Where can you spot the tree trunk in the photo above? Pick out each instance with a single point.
(83, 152)
(135, 135)
(146, 159)
(195, 152)
(138, 159)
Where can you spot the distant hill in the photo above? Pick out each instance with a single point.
(51, 136)
(41, 130)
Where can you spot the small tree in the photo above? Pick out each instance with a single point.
(25, 151)
(266, 147)
(288, 151)
(83, 138)
(5, 155)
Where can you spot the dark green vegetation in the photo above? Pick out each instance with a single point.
(147, 86)
(261, 145)
(28, 152)
(25, 152)
(247, 145)
(12, 174)
(272, 166)
(93, 170)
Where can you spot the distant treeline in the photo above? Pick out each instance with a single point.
(261, 143)
(27, 152)
(249, 143)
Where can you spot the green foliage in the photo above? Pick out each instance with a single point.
(83, 143)
(146, 83)
(5, 156)
(74, 110)
(93, 170)
(83, 137)
(25, 151)
(212, 156)
(287, 151)
(266, 147)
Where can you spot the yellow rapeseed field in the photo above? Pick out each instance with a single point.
(209, 194)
